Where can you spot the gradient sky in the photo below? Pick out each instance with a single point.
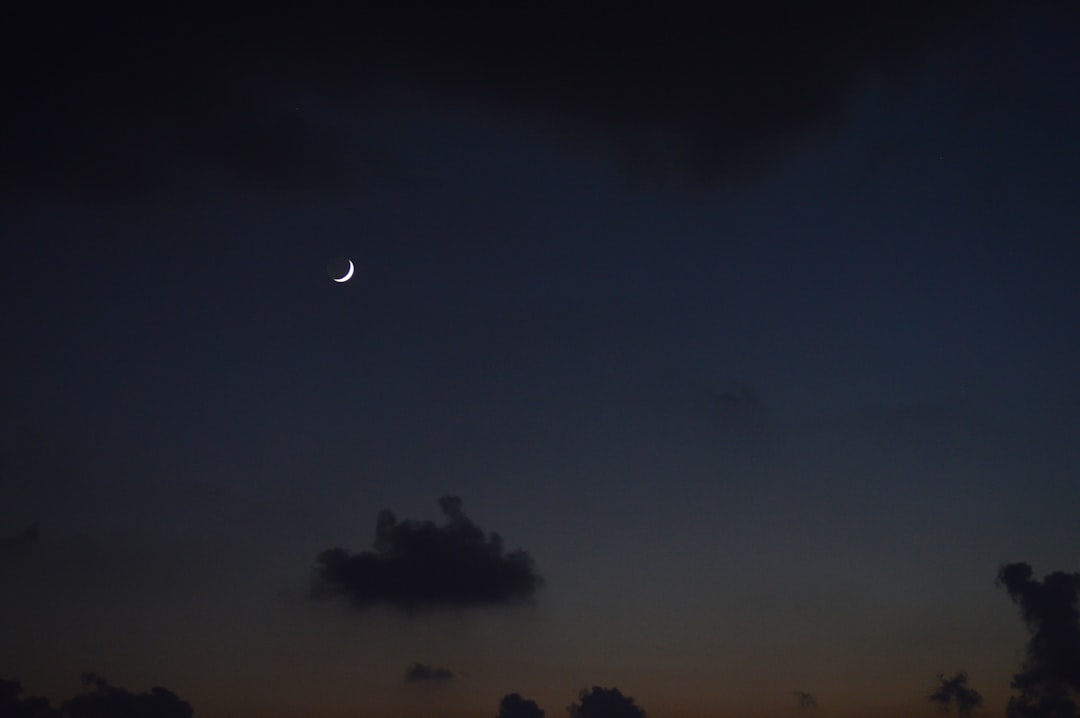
(768, 391)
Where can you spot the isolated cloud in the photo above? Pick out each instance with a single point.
(954, 691)
(739, 399)
(419, 565)
(111, 99)
(804, 699)
(604, 703)
(1049, 678)
(419, 672)
(514, 706)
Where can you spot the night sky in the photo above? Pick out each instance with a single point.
(723, 358)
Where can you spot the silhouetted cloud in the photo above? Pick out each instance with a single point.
(419, 672)
(102, 700)
(604, 703)
(804, 699)
(418, 565)
(954, 691)
(12, 706)
(513, 705)
(114, 99)
(1049, 678)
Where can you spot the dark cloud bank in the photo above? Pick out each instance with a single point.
(406, 570)
(108, 99)
(98, 700)
(416, 565)
(1048, 682)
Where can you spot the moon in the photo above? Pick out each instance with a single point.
(347, 276)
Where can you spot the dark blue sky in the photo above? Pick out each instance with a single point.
(765, 420)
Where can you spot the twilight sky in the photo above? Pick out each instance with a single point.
(757, 331)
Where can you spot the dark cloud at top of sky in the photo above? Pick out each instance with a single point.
(513, 705)
(804, 699)
(128, 100)
(421, 672)
(1049, 679)
(604, 703)
(418, 565)
(109, 100)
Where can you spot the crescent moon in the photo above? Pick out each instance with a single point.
(348, 275)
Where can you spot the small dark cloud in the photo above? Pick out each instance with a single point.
(604, 703)
(804, 700)
(28, 536)
(1048, 682)
(513, 705)
(419, 672)
(954, 691)
(126, 100)
(418, 565)
(739, 399)
(738, 412)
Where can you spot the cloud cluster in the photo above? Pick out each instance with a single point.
(114, 99)
(1049, 678)
(102, 700)
(604, 703)
(420, 672)
(416, 565)
(13, 706)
